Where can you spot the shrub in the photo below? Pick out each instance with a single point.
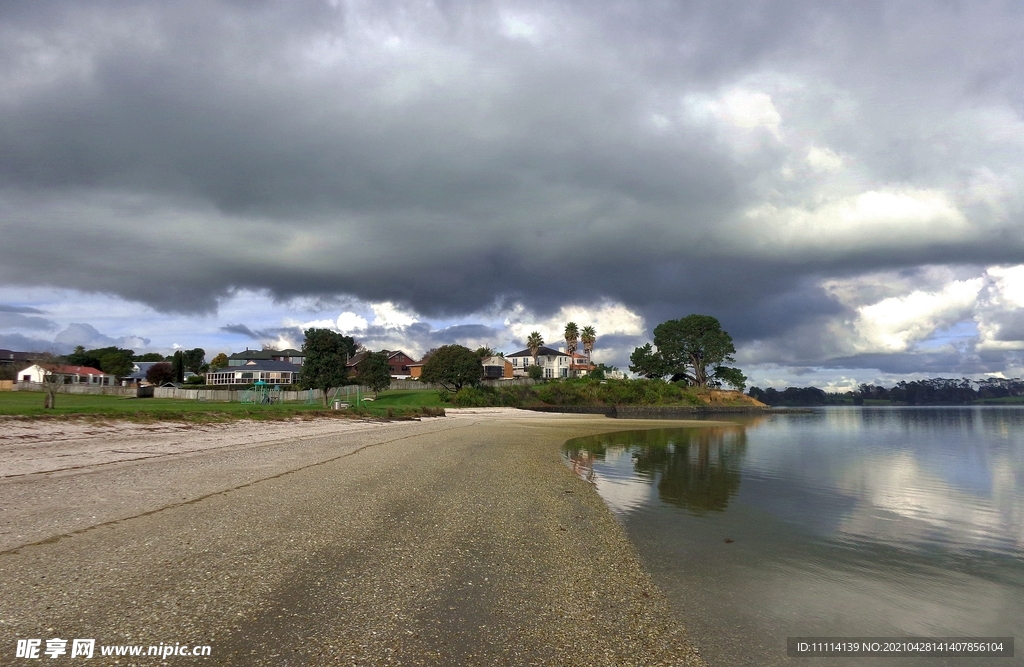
(474, 397)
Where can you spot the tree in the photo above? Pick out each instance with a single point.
(694, 347)
(160, 373)
(572, 337)
(374, 372)
(218, 362)
(452, 367)
(647, 362)
(484, 352)
(534, 343)
(731, 376)
(53, 379)
(178, 366)
(327, 353)
(195, 360)
(535, 372)
(113, 360)
(152, 356)
(588, 337)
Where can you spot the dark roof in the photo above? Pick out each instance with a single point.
(261, 365)
(266, 354)
(10, 355)
(253, 354)
(356, 358)
(541, 352)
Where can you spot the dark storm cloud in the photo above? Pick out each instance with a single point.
(448, 156)
(265, 334)
(241, 330)
(21, 343)
(15, 320)
(5, 308)
(943, 363)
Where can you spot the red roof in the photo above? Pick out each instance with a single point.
(77, 370)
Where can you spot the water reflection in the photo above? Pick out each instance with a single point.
(870, 522)
(696, 469)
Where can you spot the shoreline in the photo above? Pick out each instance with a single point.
(459, 540)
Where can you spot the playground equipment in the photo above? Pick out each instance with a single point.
(262, 393)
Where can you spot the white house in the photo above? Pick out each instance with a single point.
(72, 375)
(554, 363)
(269, 372)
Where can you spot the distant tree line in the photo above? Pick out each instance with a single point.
(934, 391)
(119, 361)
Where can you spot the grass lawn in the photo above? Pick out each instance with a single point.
(408, 398)
(30, 403)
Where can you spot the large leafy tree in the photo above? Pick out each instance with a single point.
(327, 353)
(647, 362)
(694, 348)
(453, 367)
(195, 360)
(113, 360)
(218, 362)
(374, 371)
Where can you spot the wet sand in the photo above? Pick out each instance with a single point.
(451, 541)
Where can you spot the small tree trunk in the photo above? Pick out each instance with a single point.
(49, 402)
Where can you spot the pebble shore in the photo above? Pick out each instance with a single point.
(461, 540)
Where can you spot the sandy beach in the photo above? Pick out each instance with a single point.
(447, 541)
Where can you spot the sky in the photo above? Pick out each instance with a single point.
(840, 184)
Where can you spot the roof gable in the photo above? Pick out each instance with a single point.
(542, 351)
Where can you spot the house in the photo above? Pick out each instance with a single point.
(9, 357)
(268, 371)
(72, 375)
(399, 362)
(289, 355)
(138, 374)
(497, 368)
(555, 363)
(580, 365)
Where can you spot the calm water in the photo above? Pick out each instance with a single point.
(843, 522)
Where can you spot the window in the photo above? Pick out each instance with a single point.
(548, 373)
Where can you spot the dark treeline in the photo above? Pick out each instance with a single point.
(934, 391)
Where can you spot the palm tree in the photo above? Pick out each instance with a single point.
(534, 343)
(588, 337)
(572, 334)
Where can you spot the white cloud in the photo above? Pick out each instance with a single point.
(748, 110)
(872, 219)
(606, 317)
(349, 322)
(390, 316)
(824, 159)
(894, 324)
